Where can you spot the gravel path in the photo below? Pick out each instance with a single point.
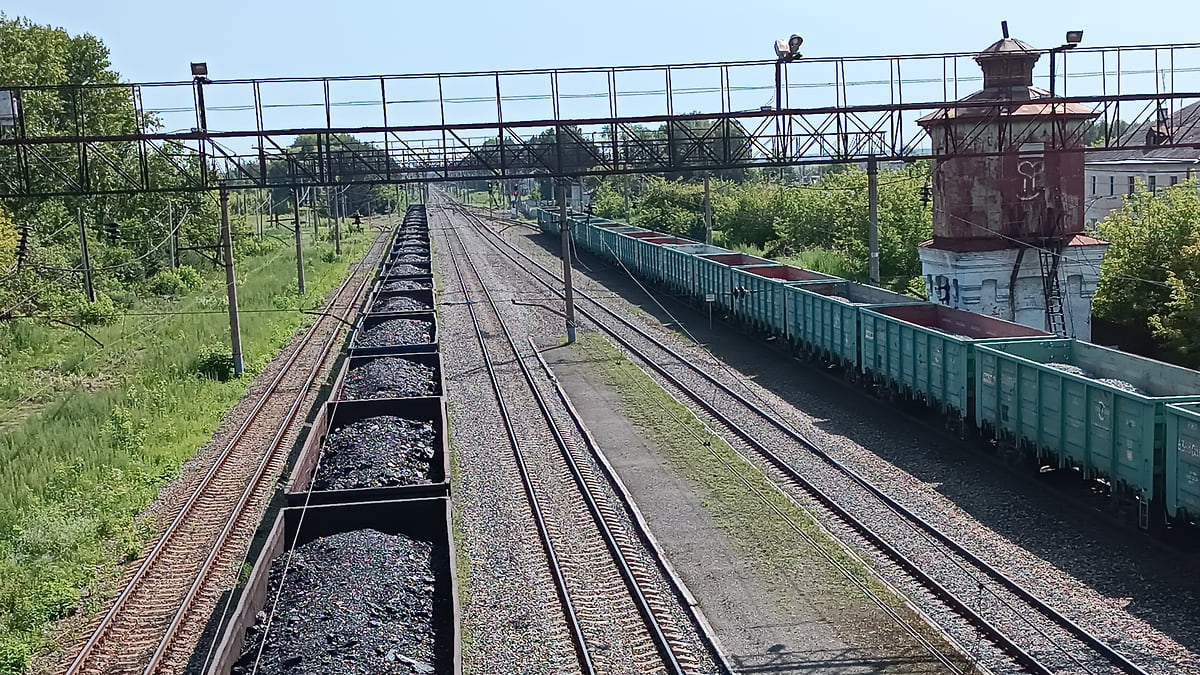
(328, 620)
(1109, 583)
(376, 452)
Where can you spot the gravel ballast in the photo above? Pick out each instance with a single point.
(397, 332)
(507, 594)
(379, 451)
(1112, 382)
(400, 303)
(355, 602)
(390, 377)
(1115, 585)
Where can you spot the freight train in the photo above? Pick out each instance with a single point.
(1121, 419)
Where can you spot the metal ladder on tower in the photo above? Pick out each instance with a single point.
(1049, 256)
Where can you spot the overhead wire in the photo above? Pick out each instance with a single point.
(161, 319)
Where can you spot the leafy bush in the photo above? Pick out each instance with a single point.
(102, 312)
(215, 363)
(329, 257)
(167, 282)
(190, 276)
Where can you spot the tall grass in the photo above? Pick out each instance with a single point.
(837, 263)
(90, 435)
(828, 262)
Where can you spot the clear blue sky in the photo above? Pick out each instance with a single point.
(156, 40)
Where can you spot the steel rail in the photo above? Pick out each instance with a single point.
(210, 560)
(1102, 648)
(571, 615)
(107, 621)
(654, 627)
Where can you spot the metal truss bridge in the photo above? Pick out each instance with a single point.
(570, 122)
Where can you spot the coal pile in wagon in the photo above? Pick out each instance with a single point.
(400, 303)
(390, 377)
(407, 285)
(381, 451)
(397, 332)
(406, 270)
(355, 602)
(410, 258)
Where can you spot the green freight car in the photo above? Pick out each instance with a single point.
(1075, 404)
(1182, 497)
(925, 351)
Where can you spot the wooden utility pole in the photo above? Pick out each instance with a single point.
(235, 325)
(87, 264)
(569, 294)
(873, 216)
(299, 244)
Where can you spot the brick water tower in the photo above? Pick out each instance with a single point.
(1008, 198)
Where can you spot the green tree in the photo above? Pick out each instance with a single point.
(785, 219)
(1151, 270)
(37, 55)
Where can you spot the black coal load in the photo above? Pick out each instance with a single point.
(407, 285)
(414, 258)
(406, 271)
(412, 250)
(355, 602)
(394, 332)
(382, 451)
(390, 377)
(400, 303)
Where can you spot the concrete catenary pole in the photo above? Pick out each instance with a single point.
(707, 212)
(83, 254)
(299, 243)
(569, 291)
(339, 211)
(235, 325)
(873, 216)
(172, 234)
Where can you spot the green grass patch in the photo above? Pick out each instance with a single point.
(462, 558)
(89, 435)
(749, 511)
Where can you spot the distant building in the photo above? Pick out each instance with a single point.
(1109, 175)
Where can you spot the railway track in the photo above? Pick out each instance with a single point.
(166, 600)
(618, 620)
(1031, 635)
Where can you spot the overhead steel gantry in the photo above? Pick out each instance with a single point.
(183, 136)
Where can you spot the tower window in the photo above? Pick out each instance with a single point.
(1153, 183)
(1093, 185)
(1112, 185)
(1132, 184)
(1174, 180)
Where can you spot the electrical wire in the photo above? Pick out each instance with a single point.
(162, 319)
